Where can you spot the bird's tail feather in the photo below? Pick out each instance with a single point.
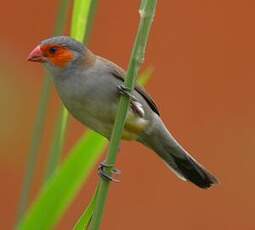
(179, 161)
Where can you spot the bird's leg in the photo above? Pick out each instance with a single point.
(125, 91)
(103, 174)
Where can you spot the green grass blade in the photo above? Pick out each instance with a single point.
(80, 17)
(34, 149)
(84, 220)
(145, 76)
(57, 144)
(63, 185)
(91, 17)
(39, 122)
(61, 17)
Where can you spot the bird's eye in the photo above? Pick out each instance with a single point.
(53, 50)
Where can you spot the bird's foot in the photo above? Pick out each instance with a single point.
(126, 91)
(105, 175)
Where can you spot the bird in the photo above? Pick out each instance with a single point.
(90, 87)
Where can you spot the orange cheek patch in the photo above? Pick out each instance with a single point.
(62, 58)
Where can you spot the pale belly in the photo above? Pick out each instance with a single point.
(98, 118)
(101, 119)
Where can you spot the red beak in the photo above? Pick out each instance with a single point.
(36, 55)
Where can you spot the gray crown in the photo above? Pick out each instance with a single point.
(65, 41)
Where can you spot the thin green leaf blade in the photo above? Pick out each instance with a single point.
(79, 21)
(85, 218)
(63, 186)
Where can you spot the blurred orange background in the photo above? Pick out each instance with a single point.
(203, 54)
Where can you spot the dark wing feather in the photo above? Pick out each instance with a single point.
(119, 73)
(147, 98)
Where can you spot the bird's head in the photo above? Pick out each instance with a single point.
(59, 53)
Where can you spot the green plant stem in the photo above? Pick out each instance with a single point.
(34, 149)
(57, 145)
(39, 123)
(147, 11)
(61, 17)
(82, 18)
(91, 17)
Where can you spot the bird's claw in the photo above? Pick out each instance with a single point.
(103, 174)
(125, 91)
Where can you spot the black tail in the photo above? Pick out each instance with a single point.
(179, 161)
(192, 171)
